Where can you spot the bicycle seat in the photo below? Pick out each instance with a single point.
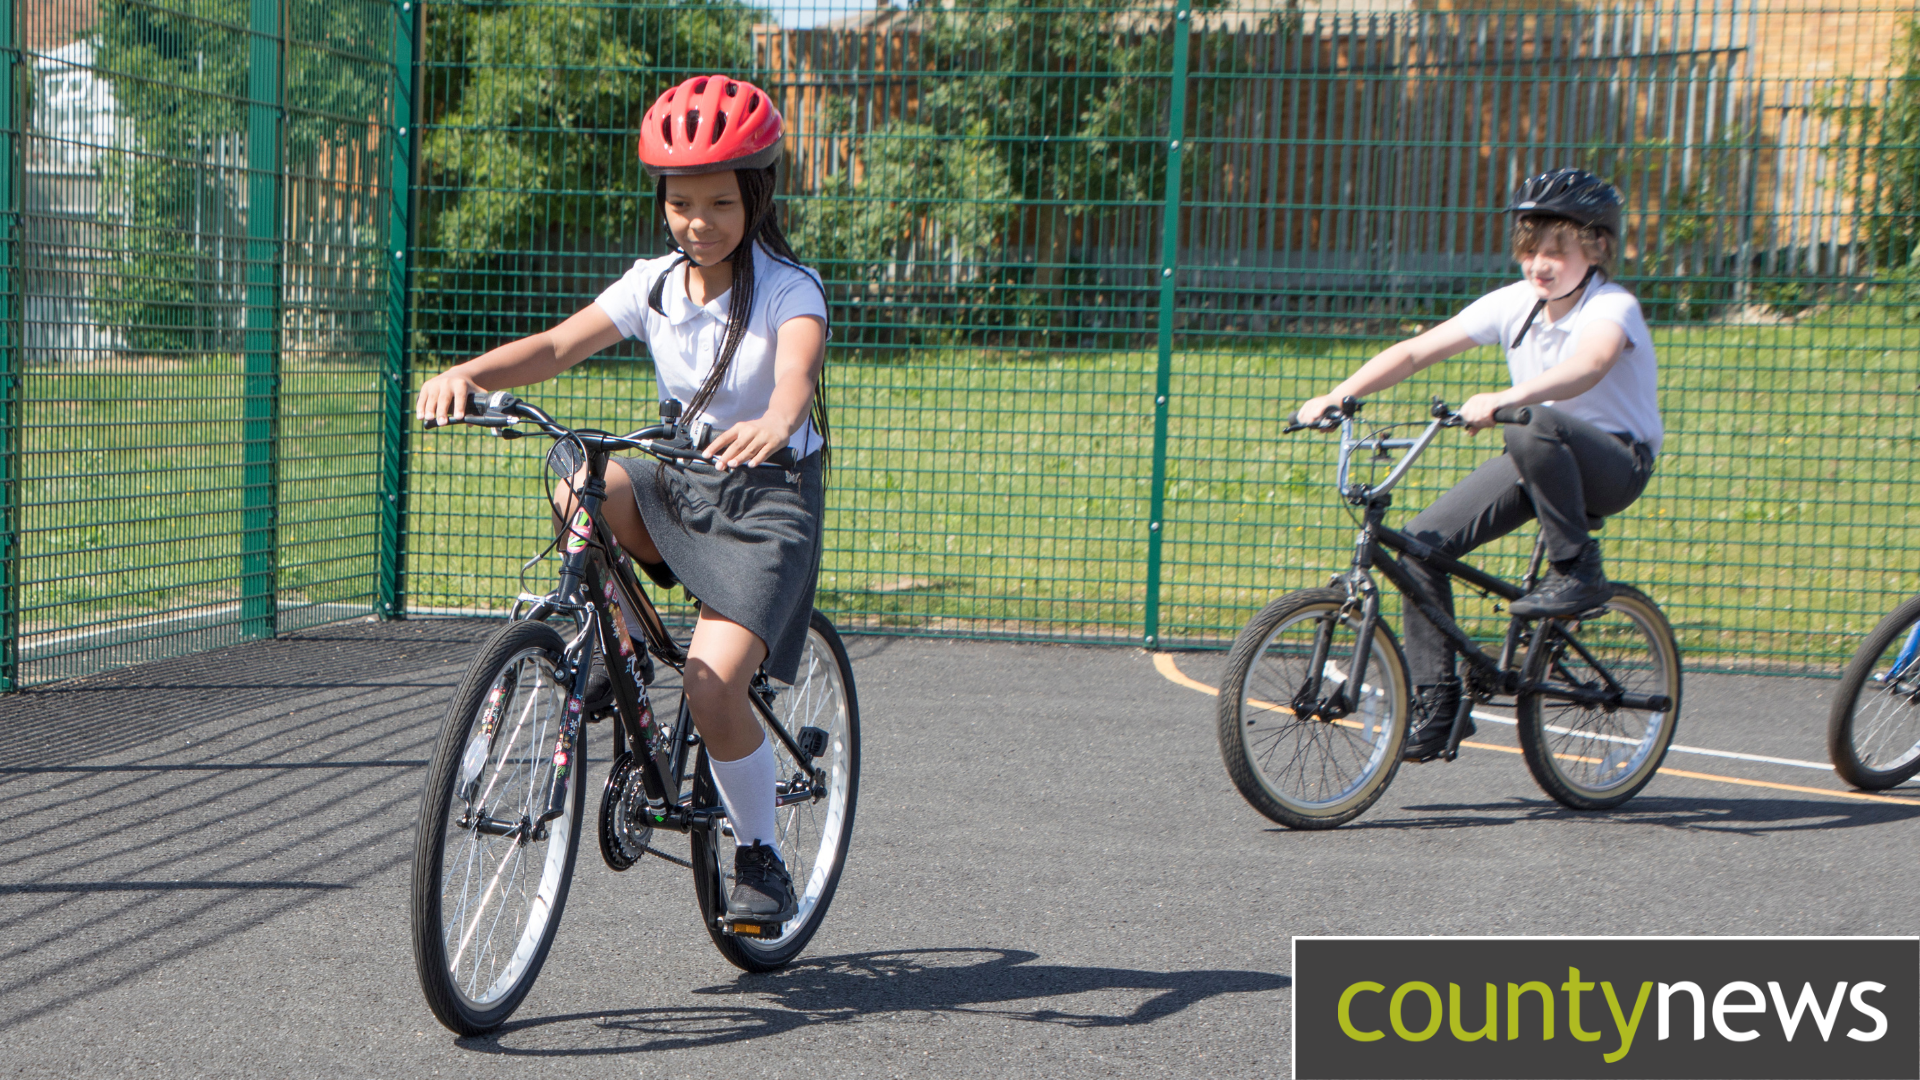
(660, 573)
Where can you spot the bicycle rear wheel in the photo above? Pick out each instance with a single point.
(489, 879)
(1873, 732)
(1310, 774)
(813, 831)
(1591, 757)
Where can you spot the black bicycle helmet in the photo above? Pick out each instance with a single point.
(1574, 194)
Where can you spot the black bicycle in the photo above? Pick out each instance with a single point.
(501, 814)
(1873, 731)
(1314, 712)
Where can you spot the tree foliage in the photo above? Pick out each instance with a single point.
(534, 109)
(181, 71)
(1894, 228)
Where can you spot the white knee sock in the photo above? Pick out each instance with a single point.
(746, 789)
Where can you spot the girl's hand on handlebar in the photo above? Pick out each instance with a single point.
(443, 398)
(749, 442)
(1476, 415)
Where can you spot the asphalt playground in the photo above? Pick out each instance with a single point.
(205, 873)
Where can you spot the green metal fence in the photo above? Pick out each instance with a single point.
(1081, 259)
(197, 314)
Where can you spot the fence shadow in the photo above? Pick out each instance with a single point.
(164, 810)
(120, 711)
(904, 985)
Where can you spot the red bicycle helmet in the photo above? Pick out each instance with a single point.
(710, 123)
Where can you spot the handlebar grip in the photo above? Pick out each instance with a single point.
(479, 413)
(1521, 416)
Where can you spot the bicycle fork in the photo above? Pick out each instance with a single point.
(573, 576)
(1309, 703)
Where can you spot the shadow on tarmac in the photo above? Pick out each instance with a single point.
(904, 986)
(120, 711)
(1745, 816)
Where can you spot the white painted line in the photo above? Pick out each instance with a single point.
(1675, 748)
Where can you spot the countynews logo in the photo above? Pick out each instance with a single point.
(1551, 1008)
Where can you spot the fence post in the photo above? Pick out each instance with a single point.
(259, 543)
(1169, 261)
(403, 138)
(11, 366)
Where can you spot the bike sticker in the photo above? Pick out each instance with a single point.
(578, 532)
(619, 617)
(560, 760)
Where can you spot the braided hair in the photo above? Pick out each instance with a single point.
(763, 228)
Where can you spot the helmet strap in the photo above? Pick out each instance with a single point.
(1535, 313)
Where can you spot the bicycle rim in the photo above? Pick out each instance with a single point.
(500, 895)
(1588, 756)
(1320, 773)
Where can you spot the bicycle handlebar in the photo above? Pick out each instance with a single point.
(502, 410)
(1349, 409)
(1342, 418)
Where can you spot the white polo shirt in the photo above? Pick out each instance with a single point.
(1626, 400)
(685, 342)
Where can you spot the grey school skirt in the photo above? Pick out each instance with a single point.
(744, 543)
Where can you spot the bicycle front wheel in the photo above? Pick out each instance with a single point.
(1595, 757)
(813, 828)
(1311, 773)
(1873, 732)
(490, 877)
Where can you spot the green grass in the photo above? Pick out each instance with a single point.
(132, 499)
(976, 492)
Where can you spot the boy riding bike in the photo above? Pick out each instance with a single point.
(737, 329)
(1579, 353)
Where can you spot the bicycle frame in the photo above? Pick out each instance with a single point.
(1489, 676)
(596, 605)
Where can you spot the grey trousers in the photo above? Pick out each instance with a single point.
(1566, 472)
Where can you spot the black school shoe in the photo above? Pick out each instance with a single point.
(762, 888)
(1571, 587)
(1433, 711)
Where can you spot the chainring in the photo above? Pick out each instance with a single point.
(622, 843)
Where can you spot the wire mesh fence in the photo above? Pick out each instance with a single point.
(198, 325)
(1081, 259)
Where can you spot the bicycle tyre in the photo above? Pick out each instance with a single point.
(813, 835)
(459, 872)
(1266, 666)
(1884, 750)
(1584, 756)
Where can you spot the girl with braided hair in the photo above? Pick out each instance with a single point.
(737, 328)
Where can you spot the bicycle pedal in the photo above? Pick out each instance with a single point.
(745, 928)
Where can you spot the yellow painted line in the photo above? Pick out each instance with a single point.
(1164, 664)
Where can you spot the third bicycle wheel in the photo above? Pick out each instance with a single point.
(1873, 733)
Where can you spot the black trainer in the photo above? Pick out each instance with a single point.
(1570, 588)
(1433, 710)
(762, 888)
